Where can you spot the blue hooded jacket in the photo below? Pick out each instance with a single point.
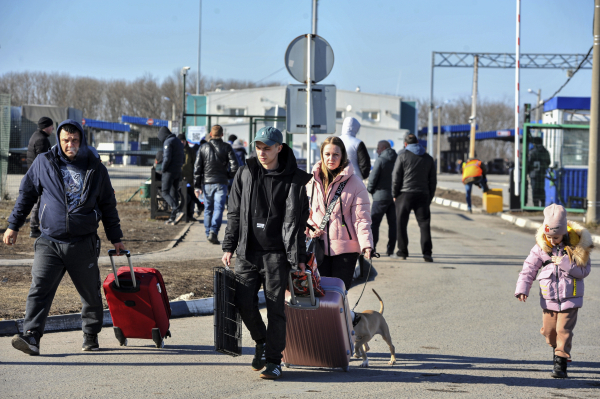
(57, 222)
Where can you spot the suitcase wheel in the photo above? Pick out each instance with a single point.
(120, 336)
(156, 337)
(286, 365)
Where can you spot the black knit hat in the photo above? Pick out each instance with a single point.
(44, 122)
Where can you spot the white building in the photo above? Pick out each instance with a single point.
(380, 116)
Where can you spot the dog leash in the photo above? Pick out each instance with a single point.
(373, 255)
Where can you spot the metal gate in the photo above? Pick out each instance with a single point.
(4, 141)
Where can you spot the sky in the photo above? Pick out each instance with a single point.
(382, 46)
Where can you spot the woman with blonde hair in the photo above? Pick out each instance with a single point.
(346, 233)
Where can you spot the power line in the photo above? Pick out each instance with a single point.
(277, 71)
(568, 80)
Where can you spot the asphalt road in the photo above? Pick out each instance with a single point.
(456, 326)
(454, 182)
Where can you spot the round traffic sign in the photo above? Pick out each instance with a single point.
(321, 58)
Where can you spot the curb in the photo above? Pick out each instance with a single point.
(68, 322)
(517, 221)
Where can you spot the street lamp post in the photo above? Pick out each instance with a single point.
(184, 72)
(439, 138)
(539, 102)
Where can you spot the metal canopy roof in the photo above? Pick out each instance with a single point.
(580, 103)
(448, 129)
(497, 134)
(138, 120)
(103, 125)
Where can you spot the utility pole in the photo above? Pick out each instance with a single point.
(309, 87)
(439, 141)
(473, 118)
(199, 48)
(593, 172)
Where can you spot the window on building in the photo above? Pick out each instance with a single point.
(372, 116)
(339, 115)
(237, 111)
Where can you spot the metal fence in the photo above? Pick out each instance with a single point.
(4, 142)
(554, 167)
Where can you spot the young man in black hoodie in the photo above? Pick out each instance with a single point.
(267, 213)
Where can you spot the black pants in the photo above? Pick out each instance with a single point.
(538, 190)
(50, 262)
(378, 209)
(419, 202)
(191, 200)
(170, 191)
(340, 266)
(270, 270)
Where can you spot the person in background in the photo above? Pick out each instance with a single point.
(38, 144)
(473, 172)
(173, 158)
(266, 220)
(347, 234)
(76, 194)
(380, 186)
(216, 163)
(187, 173)
(358, 155)
(240, 151)
(538, 162)
(231, 139)
(413, 187)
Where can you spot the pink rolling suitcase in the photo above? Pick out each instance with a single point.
(319, 331)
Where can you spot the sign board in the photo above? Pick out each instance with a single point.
(321, 58)
(323, 109)
(503, 133)
(195, 134)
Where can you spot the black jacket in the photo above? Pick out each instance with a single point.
(45, 179)
(414, 173)
(216, 163)
(294, 211)
(38, 144)
(380, 180)
(173, 156)
(364, 160)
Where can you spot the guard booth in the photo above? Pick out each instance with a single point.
(563, 141)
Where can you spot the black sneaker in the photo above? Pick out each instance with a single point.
(170, 221)
(212, 237)
(399, 257)
(90, 342)
(272, 372)
(28, 342)
(35, 233)
(258, 363)
(427, 258)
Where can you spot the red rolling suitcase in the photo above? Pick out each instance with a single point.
(319, 331)
(138, 302)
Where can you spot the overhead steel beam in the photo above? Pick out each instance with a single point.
(507, 60)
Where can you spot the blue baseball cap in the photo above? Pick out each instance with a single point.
(268, 135)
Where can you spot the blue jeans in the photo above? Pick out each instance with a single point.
(469, 189)
(215, 196)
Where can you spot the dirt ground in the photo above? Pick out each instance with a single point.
(458, 196)
(180, 278)
(140, 233)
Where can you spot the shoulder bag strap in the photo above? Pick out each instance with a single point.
(329, 210)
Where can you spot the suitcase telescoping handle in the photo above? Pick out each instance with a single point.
(113, 252)
(313, 301)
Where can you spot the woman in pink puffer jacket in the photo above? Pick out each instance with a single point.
(562, 252)
(347, 234)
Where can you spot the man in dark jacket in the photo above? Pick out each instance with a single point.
(538, 162)
(173, 158)
(38, 144)
(187, 172)
(380, 186)
(76, 194)
(216, 163)
(266, 219)
(413, 187)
